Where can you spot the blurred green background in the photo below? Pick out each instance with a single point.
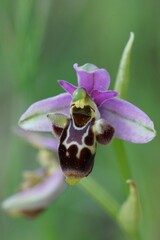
(39, 43)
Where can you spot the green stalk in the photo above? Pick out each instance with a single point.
(121, 86)
(107, 202)
(122, 80)
(122, 162)
(101, 196)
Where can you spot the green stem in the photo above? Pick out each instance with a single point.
(122, 80)
(135, 236)
(106, 201)
(101, 196)
(122, 162)
(121, 86)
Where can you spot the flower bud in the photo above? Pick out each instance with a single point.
(129, 213)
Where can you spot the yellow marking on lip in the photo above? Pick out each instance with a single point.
(71, 180)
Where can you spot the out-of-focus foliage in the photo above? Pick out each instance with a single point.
(39, 42)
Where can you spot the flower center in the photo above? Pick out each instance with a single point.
(81, 116)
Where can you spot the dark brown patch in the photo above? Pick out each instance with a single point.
(88, 160)
(81, 115)
(73, 166)
(32, 213)
(64, 133)
(89, 139)
(106, 136)
(57, 130)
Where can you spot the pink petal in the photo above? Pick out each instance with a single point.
(35, 118)
(99, 97)
(37, 197)
(92, 78)
(67, 86)
(38, 140)
(130, 123)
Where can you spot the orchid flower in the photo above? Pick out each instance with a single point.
(85, 115)
(41, 186)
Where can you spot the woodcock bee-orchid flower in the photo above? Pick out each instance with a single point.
(85, 115)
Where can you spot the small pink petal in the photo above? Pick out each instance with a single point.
(67, 86)
(92, 78)
(99, 97)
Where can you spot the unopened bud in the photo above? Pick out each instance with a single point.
(129, 214)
